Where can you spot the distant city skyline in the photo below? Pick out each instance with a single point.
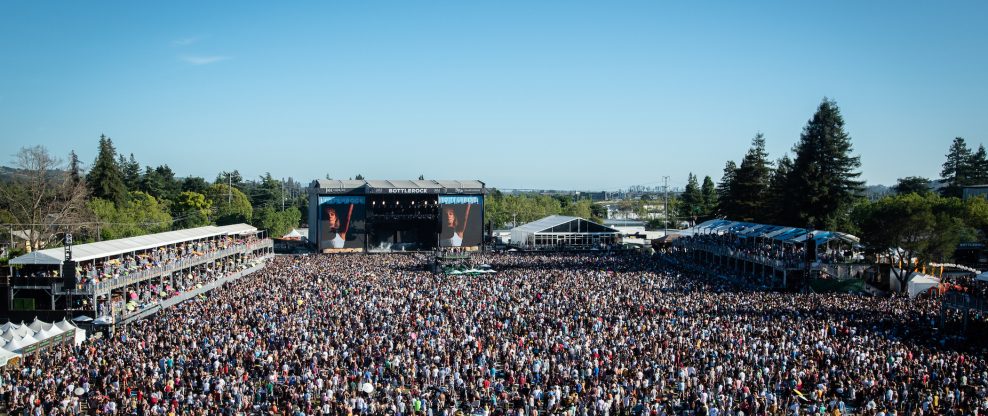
(546, 95)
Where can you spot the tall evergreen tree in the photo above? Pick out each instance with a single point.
(709, 192)
(724, 203)
(978, 167)
(748, 192)
(777, 186)
(691, 201)
(104, 179)
(824, 180)
(131, 171)
(75, 168)
(956, 170)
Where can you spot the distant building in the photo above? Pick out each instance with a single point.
(975, 190)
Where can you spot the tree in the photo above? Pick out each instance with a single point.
(194, 184)
(191, 209)
(691, 201)
(270, 192)
(230, 205)
(823, 184)
(750, 184)
(75, 169)
(130, 170)
(141, 214)
(421, 177)
(105, 180)
(277, 223)
(956, 170)
(230, 178)
(42, 198)
(359, 177)
(910, 230)
(724, 191)
(778, 206)
(160, 182)
(709, 192)
(978, 167)
(912, 185)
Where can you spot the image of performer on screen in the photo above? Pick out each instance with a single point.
(336, 237)
(454, 225)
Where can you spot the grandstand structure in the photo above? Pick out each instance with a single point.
(773, 254)
(116, 281)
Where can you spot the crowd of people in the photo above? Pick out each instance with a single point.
(573, 334)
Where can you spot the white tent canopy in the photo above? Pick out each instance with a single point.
(90, 251)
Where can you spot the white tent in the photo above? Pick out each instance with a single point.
(8, 325)
(6, 356)
(19, 343)
(37, 325)
(64, 325)
(920, 283)
(11, 334)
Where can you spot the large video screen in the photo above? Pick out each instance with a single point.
(341, 223)
(461, 220)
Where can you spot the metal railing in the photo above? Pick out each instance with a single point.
(142, 275)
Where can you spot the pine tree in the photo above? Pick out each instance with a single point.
(777, 185)
(956, 170)
(75, 168)
(104, 179)
(131, 172)
(824, 180)
(978, 167)
(724, 203)
(691, 201)
(709, 192)
(748, 192)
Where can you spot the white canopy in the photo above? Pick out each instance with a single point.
(89, 251)
(37, 325)
(920, 283)
(64, 325)
(6, 356)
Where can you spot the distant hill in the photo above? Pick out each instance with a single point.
(876, 191)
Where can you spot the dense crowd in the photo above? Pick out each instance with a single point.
(548, 334)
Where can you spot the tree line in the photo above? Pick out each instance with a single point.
(921, 221)
(44, 197)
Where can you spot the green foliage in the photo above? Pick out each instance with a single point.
(268, 193)
(160, 182)
(140, 214)
(823, 185)
(503, 209)
(926, 227)
(191, 209)
(963, 168)
(912, 185)
(750, 185)
(194, 184)
(692, 201)
(724, 189)
(230, 205)
(105, 180)
(277, 223)
(709, 192)
(130, 171)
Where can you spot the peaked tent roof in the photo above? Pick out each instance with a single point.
(553, 221)
(89, 251)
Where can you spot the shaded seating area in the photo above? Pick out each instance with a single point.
(116, 278)
(770, 255)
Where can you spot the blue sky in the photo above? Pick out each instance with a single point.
(564, 95)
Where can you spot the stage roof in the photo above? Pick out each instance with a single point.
(331, 186)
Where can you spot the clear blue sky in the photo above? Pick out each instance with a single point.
(520, 94)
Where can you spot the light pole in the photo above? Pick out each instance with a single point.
(666, 206)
